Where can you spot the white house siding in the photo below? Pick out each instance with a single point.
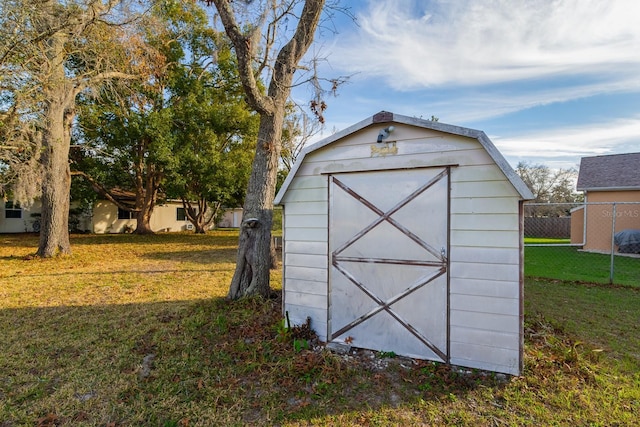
(484, 253)
(484, 270)
(24, 224)
(164, 218)
(231, 218)
(30, 216)
(105, 219)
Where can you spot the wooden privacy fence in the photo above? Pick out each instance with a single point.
(558, 228)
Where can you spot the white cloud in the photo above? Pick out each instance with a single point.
(413, 45)
(470, 60)
(499, 102)
(566, 145)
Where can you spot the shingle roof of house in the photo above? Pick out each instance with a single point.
(612, 172)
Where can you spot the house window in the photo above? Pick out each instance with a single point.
(12, 210)
(180, 214)
(122, 214)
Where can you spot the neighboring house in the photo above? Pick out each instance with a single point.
(406, 235)
(166, 217)
(106, 217)
(608, 182)
(16, 219)
(232, 218)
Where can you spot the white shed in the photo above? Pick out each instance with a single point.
(405, 235)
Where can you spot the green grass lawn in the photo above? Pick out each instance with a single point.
(545, 240)
(602, 316)
(569, 264)
(135, 331)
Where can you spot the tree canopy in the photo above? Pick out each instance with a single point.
(549, 186)
(215, 139)
(181, 133)
(52, 52)
(158, 93)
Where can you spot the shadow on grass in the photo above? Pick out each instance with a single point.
(20, 240)
(215, 237)
(207, 256)
(122, 272)
(201, 362)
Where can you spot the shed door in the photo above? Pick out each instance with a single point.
(388, 236)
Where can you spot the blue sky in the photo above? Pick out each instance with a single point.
(549, 81)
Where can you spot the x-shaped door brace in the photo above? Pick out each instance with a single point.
(386, 305)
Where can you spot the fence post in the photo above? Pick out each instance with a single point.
(613, 232)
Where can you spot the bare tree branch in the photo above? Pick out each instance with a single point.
(246, 46)
(104, 192)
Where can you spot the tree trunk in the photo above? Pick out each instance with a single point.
(146, 195)
(56, 185)
(251, 276)
(200, 216)
(201, 220)
(143, 221)
(56, 141)
(145, 206)
(254, 260)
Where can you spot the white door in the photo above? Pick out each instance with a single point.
(388, 237)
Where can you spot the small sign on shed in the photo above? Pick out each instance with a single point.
(405, 235)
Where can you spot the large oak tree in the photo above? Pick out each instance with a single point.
(181, 132)
(253, 44)
(52, 51)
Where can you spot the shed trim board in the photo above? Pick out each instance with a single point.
(380, 169)
(521, 287)
(355, 243)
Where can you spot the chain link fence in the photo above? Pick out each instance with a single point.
(589, 242)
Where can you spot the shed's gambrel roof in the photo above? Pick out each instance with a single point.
(388, 117)
(611, 172)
